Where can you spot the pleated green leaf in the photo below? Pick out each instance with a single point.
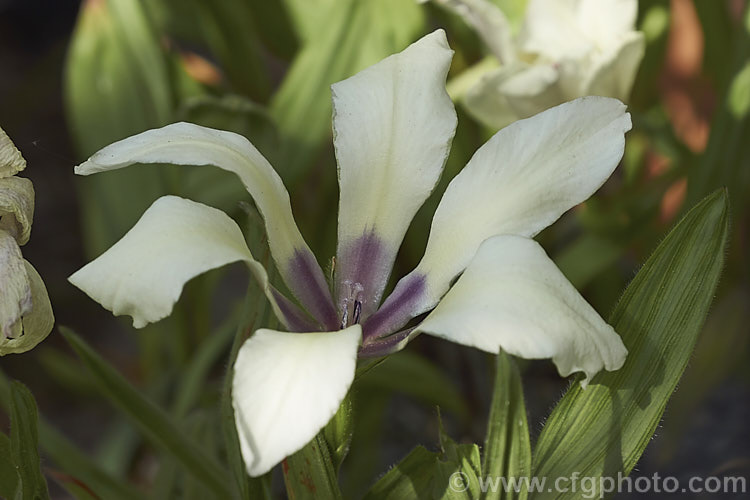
(410, 478)
(117, 84)
(452, 474)
(310, 474)
(155, 425)
(603, 430)
(507, 449)
(24, 440)
(9, 478)
(726, 161)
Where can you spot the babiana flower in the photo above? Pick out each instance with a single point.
(565, 49)
(482, 282)
(25, 312)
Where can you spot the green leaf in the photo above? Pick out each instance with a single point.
(309, 474)
(153, 422)
(116, 84)
(24, 441)
(71, 460)
(507, 448)
(338, 433)
(454, 473)
(228, 29)
(603, 430)
(726, 161)
(458, 470)
(81, 468)
(410, 478)
(10, 481)
(722, 349)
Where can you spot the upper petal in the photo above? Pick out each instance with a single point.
(513, 297)
(564, 29)
(11, 161)
(521, 181)
(175, 240)
(189, 144)
(607, 21)
(287, 386)
(393, 124)
(551, 29)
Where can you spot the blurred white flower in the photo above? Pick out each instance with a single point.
(565, 49)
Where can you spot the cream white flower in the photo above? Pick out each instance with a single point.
(25, 312)
(565, 49)
(393, 124)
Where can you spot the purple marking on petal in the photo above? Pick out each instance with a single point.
(366, 261)
(400, 306)
(386, 345)
(308, 284)
(296, 319)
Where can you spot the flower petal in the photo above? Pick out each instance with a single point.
(615, 73)
(17, 207)
(287, 386)
(513, 297)
(521, 181)
(490, 24)
(189, 144)
(175, 240)
(607, 21)
(11, 161)
(565, 29)
(552, 29)
(393, 125)
(532, 89)
(15, 300)
(35, 324)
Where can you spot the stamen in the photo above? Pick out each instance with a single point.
(357, 311)
(352, 301)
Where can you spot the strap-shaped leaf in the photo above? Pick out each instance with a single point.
(507, 449)
(23, 444)
(153, 422)
(410, 477)
(605, 428)
(310, 474)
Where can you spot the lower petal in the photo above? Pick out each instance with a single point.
(175, 240)
(15, 300)
(513, 297)
(287, 386)
(35, 324)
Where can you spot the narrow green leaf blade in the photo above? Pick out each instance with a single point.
(507, 448)
(152, 421)
(309, 474)
(78, 465)
(410, 478)
(9, 477)
(604, 429)
(24, 440)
